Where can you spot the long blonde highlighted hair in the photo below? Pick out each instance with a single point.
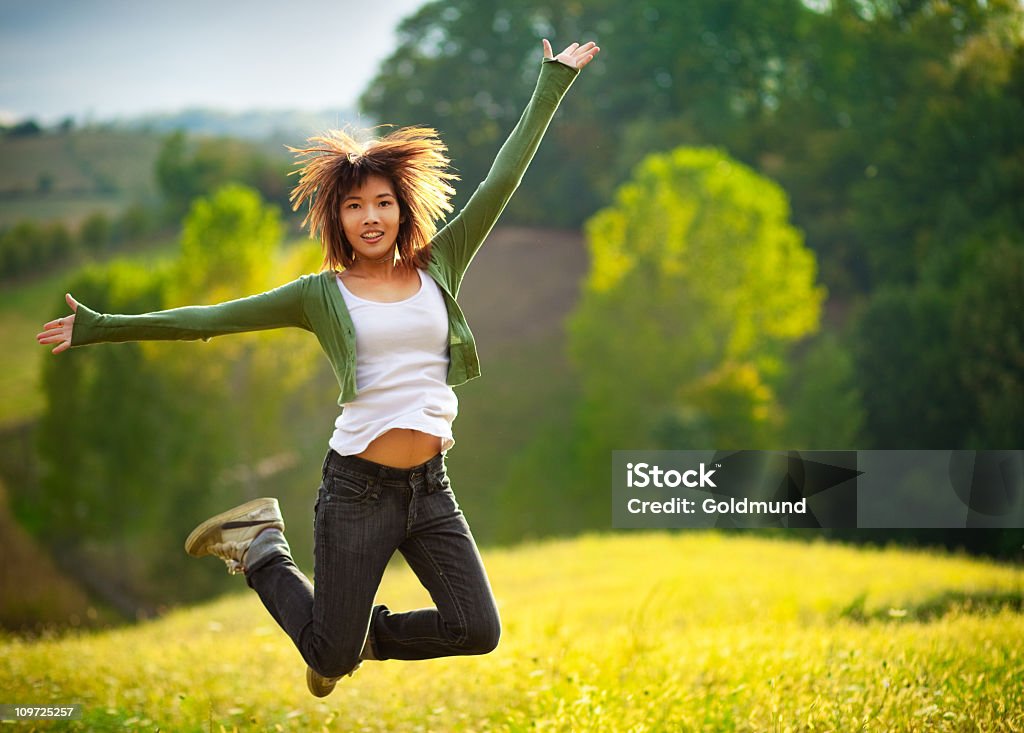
(414, 160)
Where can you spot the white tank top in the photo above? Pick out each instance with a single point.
(401, 369)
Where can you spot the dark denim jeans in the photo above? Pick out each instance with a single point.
(364, 512)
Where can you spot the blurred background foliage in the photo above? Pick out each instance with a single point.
(893, 126)
(138, 440)
(692, 232)
(804, 230)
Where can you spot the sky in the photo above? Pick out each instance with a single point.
(101, 60)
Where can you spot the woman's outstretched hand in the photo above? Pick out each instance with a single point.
(59, 331)
(574, 56)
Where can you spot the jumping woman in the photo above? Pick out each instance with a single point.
(384, 310)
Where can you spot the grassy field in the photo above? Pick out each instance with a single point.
(628, 632)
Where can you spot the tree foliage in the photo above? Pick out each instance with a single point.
(988, 336)
(894, 128)
(95, 233)
(28, 247)
(698, 286)
(824, 406)
(141, 439)
(699, 291)
(227, 244)
(187, 169)
(907, 371)
(890, 124)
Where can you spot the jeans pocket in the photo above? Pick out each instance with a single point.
(437, 481)
(347, 488)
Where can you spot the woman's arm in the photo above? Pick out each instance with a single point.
(459, 240)
(278, 308)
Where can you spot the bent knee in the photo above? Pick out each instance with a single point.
(483, 637)
(334, 662)
(334, 667)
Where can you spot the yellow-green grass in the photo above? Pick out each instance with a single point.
(626, 632)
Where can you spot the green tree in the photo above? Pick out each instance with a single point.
(698, 285)
(95, 233)
(186, 169)
(227, 244)
(23, 247)
(178, 182)
(908, 373)
(824, 408)
(944, 177)
(29, 246)
(104, 488)
(988, 336)
(60, 244)
(136, 222)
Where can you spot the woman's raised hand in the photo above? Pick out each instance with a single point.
(59, 331)
(574, 56)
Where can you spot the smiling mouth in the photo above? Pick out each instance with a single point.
(371, 236)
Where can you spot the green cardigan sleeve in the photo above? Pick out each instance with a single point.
(278, 308)
(456, 244)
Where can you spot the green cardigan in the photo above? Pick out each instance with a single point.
(315, 303)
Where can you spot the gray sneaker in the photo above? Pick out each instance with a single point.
(322, 686)
(229, 534)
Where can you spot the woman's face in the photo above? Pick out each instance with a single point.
(370, 218)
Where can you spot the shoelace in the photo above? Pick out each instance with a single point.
(230, 552)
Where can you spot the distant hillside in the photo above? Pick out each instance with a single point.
(35, 593)
(68, 174)
(76, 162)
(261, 125)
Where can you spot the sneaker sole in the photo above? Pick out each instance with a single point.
(318, 686)
(198, 540)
